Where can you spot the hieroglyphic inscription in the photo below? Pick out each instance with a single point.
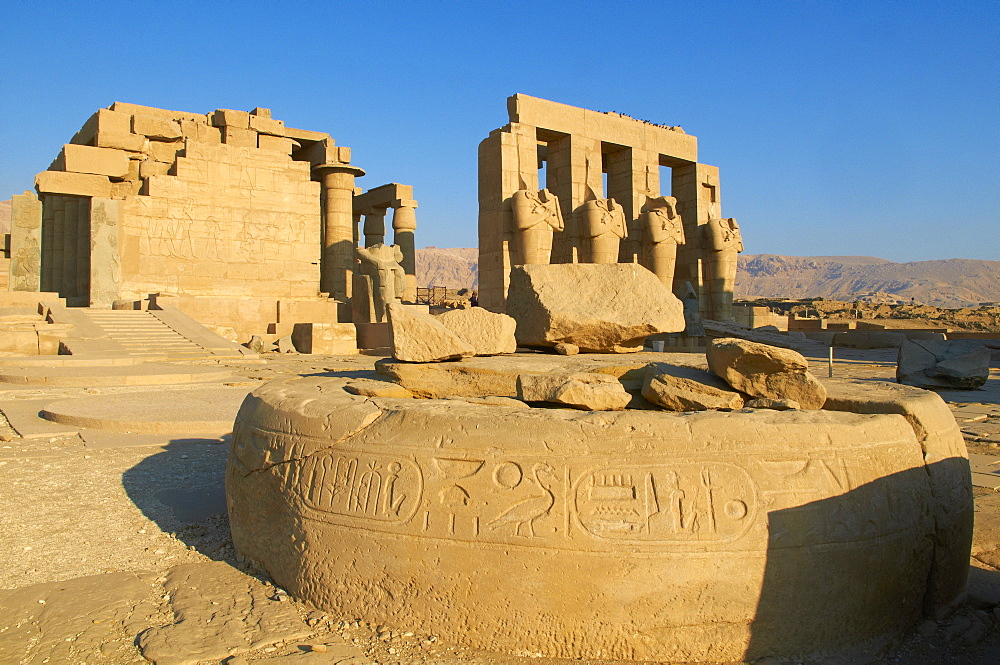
(363, 485)
(696, 501)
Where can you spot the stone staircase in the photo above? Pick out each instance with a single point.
(142, 335)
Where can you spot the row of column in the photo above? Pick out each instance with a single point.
(341, 232)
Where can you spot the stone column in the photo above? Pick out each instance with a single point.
(337, 261)
(404, 223)
(105, 259)
(70, 245)
(25, 243)
(374, 226)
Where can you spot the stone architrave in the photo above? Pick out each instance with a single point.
(765, 371)
(536, 216)
(381, 263)
(105, 259)
(958, 364)
(585, 390)
(25, 243)
(420, 338)
(663, 231)
(602, 228)
(601, 308)
(722, 241)
(490, 334)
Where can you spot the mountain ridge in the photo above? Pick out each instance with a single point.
(949, 283)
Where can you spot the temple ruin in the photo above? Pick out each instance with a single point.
(560, 184)
(250, 226)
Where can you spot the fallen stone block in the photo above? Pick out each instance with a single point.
(285, 344)
(421, 338)
(584, 390)
(765, 371)
(489, 333)
(677, 388)
(961, 364)
(601, 308)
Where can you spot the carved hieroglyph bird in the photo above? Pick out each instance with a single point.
(527, 510)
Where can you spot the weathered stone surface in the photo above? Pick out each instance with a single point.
(373, 388)
(586, 391)
(947, 465)
(567, 349)
(284, 345)
(497, 375)
(489, 333)
(760, 370)
(200, 593)
(677, 388)
(773, 404)
(962, 364)
(622, 493)
(420, 338)
(60, 622)
(601, 308)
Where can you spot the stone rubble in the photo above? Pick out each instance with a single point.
(765, 371)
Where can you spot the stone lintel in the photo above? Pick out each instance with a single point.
(383, 196)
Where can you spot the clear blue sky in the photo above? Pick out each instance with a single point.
(839, 127)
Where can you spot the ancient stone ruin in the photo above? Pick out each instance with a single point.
(560, 184)
(250, 226)
(596, 500)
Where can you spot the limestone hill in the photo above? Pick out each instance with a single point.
(943, 283)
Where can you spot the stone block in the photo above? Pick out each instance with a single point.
(74, 184)
(418, 337)
(600, 308)
(315, 310)
(239, 137)
(149, 167)
(164, 151)
(276, 143)
(231, 118)
(958, 364)
(584, 391)
(678, 388)
(765, 371)
(98, 161)
(489, 333)
(200, 131)
(138, 109)
(160, 129)
(104, 121)
(267, 125)
(261, 112)
(121, 141)
(327, 338)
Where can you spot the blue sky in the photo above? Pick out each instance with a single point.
(868, 128)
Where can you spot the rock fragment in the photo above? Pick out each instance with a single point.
(961, 364)
(600, 308)
(677, 388)
(419, 337)
(584, 390)
(765, 371)
(489, 333)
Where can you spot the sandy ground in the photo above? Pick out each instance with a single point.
(119, 545)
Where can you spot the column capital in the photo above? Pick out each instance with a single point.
(338, 167)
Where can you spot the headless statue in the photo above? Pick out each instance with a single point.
(663, 232)
(722, 242)
(381, 262)
(692, 313)
(602, 228)
(536, 216)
